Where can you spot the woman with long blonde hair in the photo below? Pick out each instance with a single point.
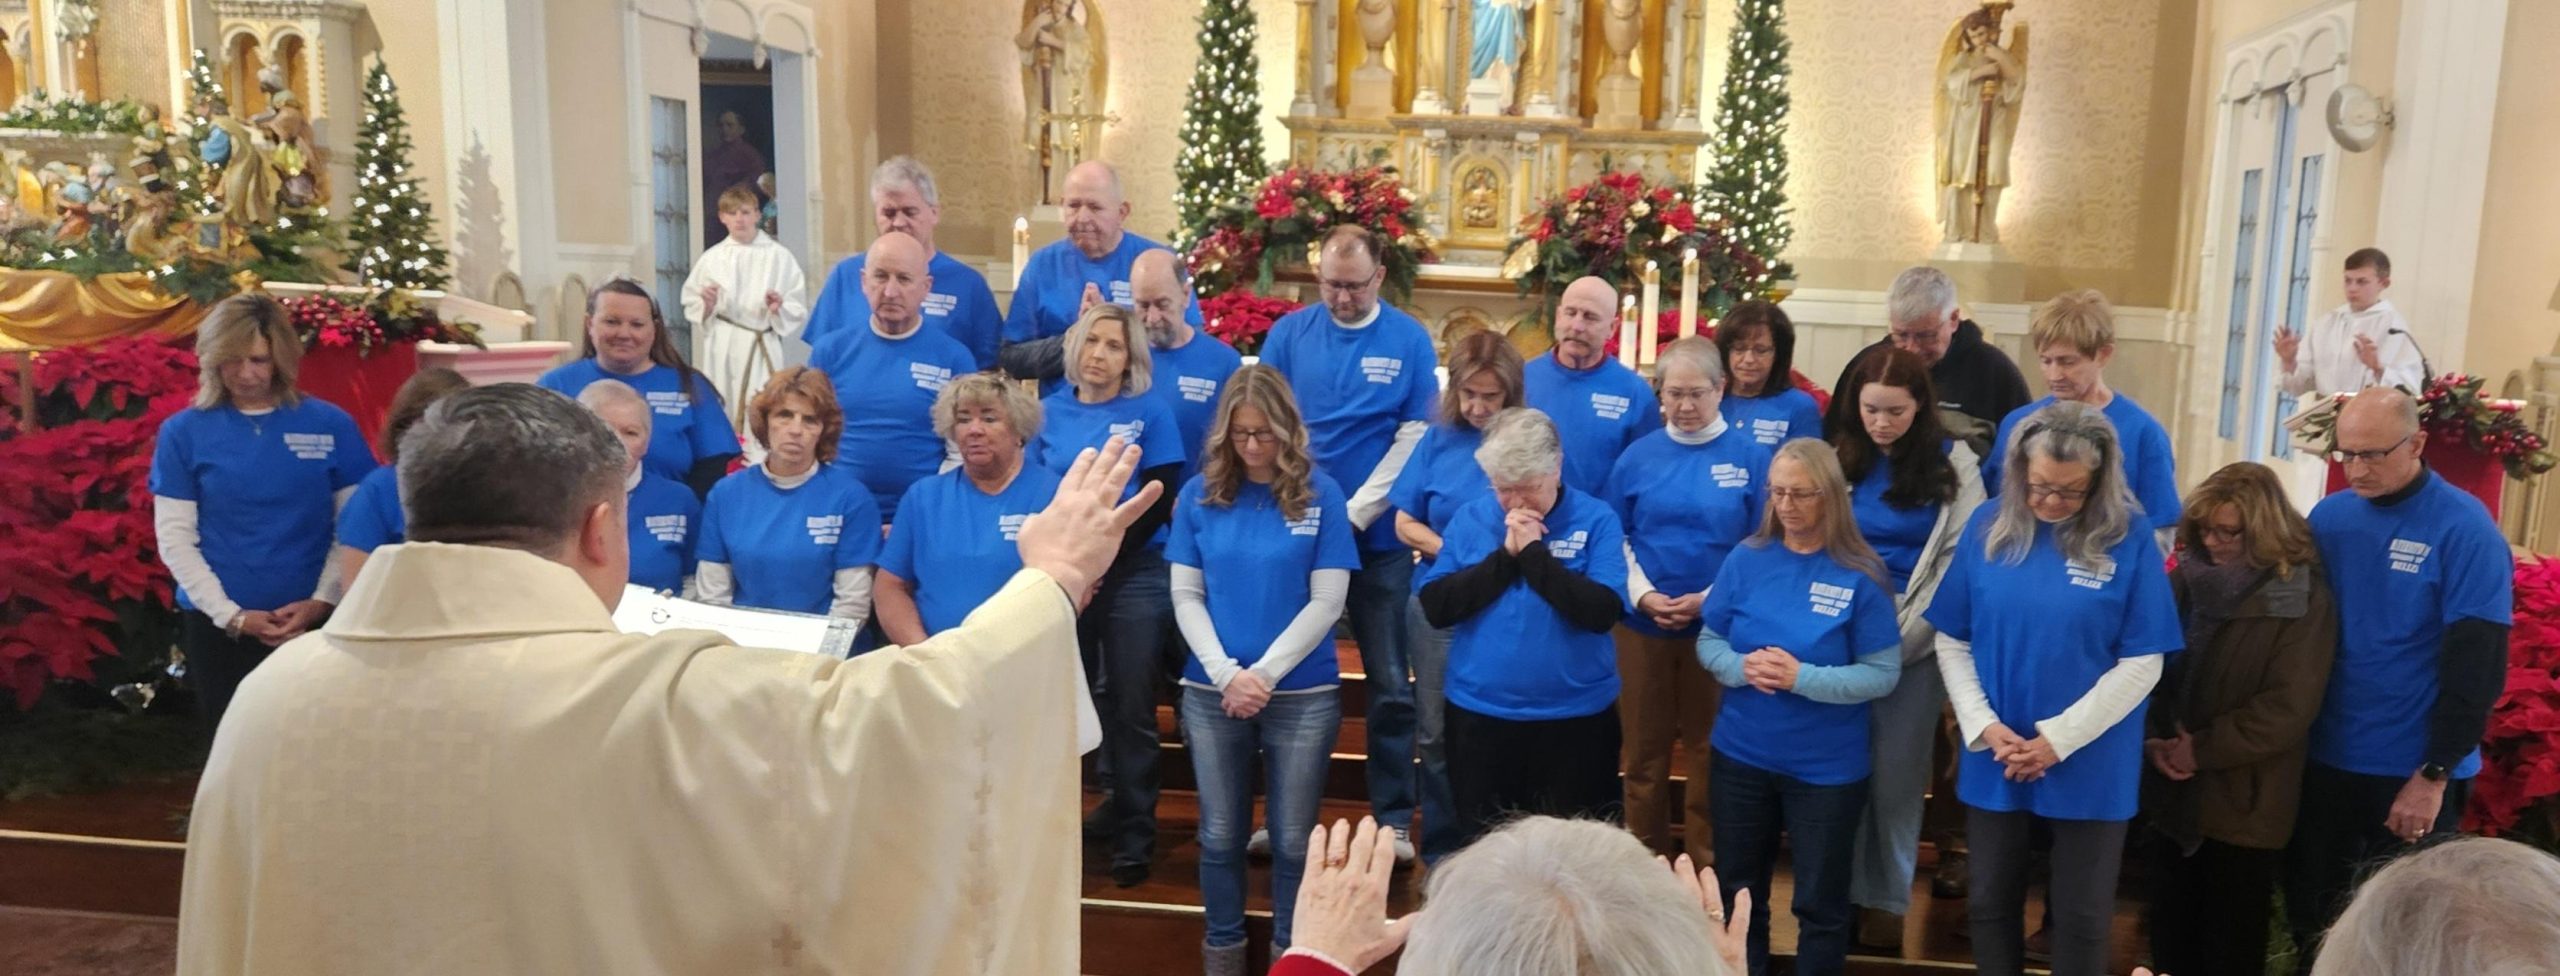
(1799, 628)
(1262, 554)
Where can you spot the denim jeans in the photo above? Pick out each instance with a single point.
(1380, 592)
(1903, 734)
(1441, 831)
(1294, 736)
(2080, 900)
(1127, 637)
(1752, 807)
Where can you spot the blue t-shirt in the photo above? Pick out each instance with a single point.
(1597, 411)
(682, 429)
(887, 388)
(1356, 386)
(954, 544)
(1051, 293)
(1776, 418)
(1518, 659)
(2403, 574)
(1254, 562)
(1825, 614)
(664, 517)
(265, 490)
(372, 518)
(959, 306)
(1441, 477)
(2043, 631)
(2150, 470)
(1190, 378)
(1069, 425)
(1898, 534)
(784, 546)
(1685, 506)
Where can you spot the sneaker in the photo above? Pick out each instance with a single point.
(1879, 929)
(1954, 876)
(2040, 946)
(1404, 846)
(1131, 874)
(1260, 845)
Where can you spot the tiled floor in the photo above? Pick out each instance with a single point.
(43, 943)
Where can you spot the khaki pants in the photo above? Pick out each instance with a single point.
(1664, 692)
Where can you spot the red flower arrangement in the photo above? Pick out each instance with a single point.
(380, 319)
(1244, 243)
(1612, 225)
(80, 578)
(2518, 791)
(1241, 318)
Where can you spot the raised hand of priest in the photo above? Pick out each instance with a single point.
(1075, 538)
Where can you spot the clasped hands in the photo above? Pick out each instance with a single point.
(2024, 760)
(274, 627)
(1245, 694)
(1669, 612)
(711, 298)
(2174, 757)
(1771, 669)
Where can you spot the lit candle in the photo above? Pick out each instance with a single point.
(1627, 331)
(1021, 248)
(1649, 327)
(1689, 293)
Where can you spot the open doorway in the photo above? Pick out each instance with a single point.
(737, 139)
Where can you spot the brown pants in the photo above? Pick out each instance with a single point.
(1664, 692)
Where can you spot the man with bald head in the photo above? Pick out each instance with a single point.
(1599, 405)
(1191, 365)
(2425, 594)
(1091, 265)
(888, 372)
(1365, 376)
(471, 770)
(904, 200)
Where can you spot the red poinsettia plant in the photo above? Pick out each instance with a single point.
(1244, 243)
(80, 578)
(1612, 226)
(1243, 319)
(2518, 791)
(373, 321)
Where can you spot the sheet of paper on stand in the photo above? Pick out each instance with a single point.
(645, 611)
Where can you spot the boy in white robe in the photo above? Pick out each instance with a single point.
(747, 300)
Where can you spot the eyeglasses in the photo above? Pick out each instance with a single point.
(2218, 533)
(1677, 395)
(1922, 337)
(2050, 492)
(1794, 496)
(1343, 287)
(1265, 436)
(2368, 457)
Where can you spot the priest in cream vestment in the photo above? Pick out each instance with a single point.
(468, 770)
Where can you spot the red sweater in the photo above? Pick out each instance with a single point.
(1305, 965)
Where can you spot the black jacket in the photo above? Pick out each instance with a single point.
(1974, 377)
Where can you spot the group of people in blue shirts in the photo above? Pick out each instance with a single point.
(1554, 569)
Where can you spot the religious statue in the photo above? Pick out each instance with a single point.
(1621, 93)
(247, 181)
(150, 152)
(1479, 206)
(1496, 37)
(1062, 85)
(1979, 84)
(297, 154)
(1373, 84)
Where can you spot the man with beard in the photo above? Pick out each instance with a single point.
(888, 372)
(1191, 365)
(1599, 405)
(1091, 265)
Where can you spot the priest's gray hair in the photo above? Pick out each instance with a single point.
(616, 393)
(1920, 294)
(1543, 895)
(905, 172)
(2474, 905)
(1694, 353)
(1520, 445)
(510, 465)
(2071, 433)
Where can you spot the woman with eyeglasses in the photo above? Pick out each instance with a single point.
(1127, 631)
(1758, 342)
(2053, 622)
(690, 438)
(1799, 629)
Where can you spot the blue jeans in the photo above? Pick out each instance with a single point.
(1904, 736)
(1127, 637)
(1380, 592)
(1752, 806)
(1442, 834)
(1294, 737)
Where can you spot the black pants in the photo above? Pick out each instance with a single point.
(1565, 767)
(2081, 899)
(1127, 636)
(216, 663)
(2209, 909)
(2340, 836)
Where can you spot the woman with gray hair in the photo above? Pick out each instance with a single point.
(1531, 579)
(2053, 620)
(246, 487)
(662, 517)
(2472, 905)
(951, 544)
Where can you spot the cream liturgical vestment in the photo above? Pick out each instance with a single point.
(470, 771)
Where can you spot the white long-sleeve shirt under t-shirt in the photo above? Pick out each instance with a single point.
(2327, 361)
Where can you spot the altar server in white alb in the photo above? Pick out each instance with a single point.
(747, 300)
(2362, 343)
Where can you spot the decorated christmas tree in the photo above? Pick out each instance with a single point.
(1222, 128)
(191, 182)
(1748, 182)
(391, 235)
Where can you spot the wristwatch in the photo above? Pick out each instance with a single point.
(2433, 772)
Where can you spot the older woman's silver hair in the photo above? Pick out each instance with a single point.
(2072, 433)
(1542, 896)
(510, 465)
(1021, 410)
(905, 172)
(1920, 294)
(1694, 353)
(1520, 444)
(1141, 371)
(616, 393)
(2476, 906)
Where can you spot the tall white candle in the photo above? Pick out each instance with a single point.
(1689, 293)
(1021, 248)
(1627, 331)
(1648, 323)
